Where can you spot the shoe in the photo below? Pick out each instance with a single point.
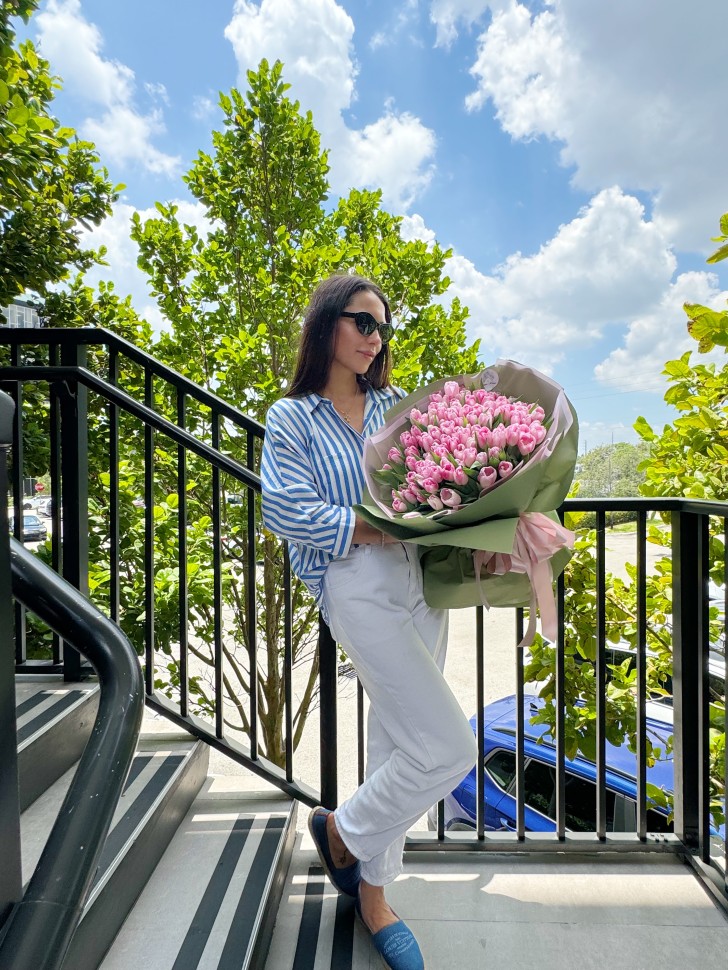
(395, 944)
(346, 880)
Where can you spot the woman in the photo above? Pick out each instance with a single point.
(369, 589)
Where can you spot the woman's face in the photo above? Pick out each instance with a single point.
(353, 351)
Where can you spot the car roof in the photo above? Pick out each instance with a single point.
(500, 724)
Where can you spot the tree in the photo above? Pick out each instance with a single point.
(688, 458)
(234, 298)
(611, 470)
(50, 182)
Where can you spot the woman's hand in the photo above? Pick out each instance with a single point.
(366, 533)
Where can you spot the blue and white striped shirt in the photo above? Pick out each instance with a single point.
(311, 474)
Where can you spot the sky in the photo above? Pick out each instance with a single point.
(571, 153)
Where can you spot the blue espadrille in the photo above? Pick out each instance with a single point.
(346, 880)
(395, 944)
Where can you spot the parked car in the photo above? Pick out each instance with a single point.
(616, 654)
(540, 779)
(45, 507)
(33, 529)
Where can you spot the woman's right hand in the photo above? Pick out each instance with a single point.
(369, 534)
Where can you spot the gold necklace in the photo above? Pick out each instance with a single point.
(346, 414)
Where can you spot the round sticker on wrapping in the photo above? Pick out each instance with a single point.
(489, 379)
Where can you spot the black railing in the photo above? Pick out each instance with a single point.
(66, 374)
(40, 927)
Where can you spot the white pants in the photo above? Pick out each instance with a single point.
(419, 742)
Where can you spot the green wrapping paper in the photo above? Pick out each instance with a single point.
(448, 539)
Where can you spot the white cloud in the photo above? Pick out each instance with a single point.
(400, 26)
(446, 14)
(314, 40)
(633, 91)
(125, 136)
(203, 108)
(122, 133)
(376, 153)
(661, 334)
(413, 227)
(157, 91)
(601, 269)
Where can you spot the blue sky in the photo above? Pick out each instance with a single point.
(572, 153)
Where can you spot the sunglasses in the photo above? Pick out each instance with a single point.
(366, 325)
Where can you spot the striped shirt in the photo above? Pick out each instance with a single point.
(311, 474)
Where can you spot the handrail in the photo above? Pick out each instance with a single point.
(40, 927)
(73, 336)
(116, 396)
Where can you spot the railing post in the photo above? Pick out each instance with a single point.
(74, 489)
(327, 721)
(686, 674)
(10, 872)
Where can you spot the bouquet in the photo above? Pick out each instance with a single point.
(472, 469)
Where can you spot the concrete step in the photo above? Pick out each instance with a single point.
(213, 899)
(54, 721)
(164, 778)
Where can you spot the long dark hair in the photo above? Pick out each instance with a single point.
(316, 350)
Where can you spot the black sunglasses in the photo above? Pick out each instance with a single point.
(366, 325)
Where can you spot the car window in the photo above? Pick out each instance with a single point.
(501, 766)
(716, 688)
(580, 810)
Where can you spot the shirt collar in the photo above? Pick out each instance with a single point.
(313, 401)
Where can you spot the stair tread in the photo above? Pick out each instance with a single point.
(36, 711)
(149, 772)
(201, 905)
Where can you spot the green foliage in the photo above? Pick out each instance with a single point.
(611, 470)
(234, 296)
(50, 183)
(688, 458)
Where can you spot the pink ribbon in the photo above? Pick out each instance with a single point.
(536, 540)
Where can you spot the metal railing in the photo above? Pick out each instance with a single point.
(38, 924)
(40, 927)
(71, 381)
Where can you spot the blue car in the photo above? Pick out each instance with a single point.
(540, 779)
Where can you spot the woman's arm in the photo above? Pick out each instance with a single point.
(292, 507)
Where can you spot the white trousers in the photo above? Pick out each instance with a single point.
(419, 742)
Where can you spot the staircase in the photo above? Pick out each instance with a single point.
(193, 867)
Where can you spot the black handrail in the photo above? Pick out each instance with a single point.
(146, 414)
(40, 927)
(98, 336)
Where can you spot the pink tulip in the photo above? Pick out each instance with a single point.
(398, 505)
(487, 477)
(394, 454)
(461, 476)
(447, 469)
(505, 468)
(527, 443)
(450, 498)
(434, 502)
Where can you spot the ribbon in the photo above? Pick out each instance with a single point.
(536, 540)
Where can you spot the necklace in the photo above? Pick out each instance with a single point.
(346, 412)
